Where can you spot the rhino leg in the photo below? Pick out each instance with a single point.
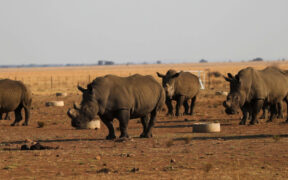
(186, 107)
(180, 101)
(27, 115)
(109, 124)
(273, 112)
(192, 105)
(148, 132)
(244, 118)
(256, 107)
(264, 112)
(246, 111)
(123, 117)
(1, 116)
(279, 111)
(18, 115)
(286, 101)
(144, 121)
(7, 117)
(168, 103)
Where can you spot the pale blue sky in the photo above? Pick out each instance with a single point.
(84, 31)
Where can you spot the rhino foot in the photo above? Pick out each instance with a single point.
(262, 117)
(170, 114)
(186, 113)
(25, 124)
(110, 137)
(179, 114)
(124, 136)
(253, 122)
(14, 124)
(146, 135)
(242, 123)
(280, 116)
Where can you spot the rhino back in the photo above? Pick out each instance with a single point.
(276, 82)
(137, 93)
(187, 84)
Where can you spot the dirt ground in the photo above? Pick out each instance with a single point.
(237, 152)
(174, 152)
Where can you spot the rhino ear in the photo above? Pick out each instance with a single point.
(160, 75)
(176, 75)
(227, 79)
(81, 88)
(230, 76)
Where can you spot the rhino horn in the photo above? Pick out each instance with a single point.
(72, 113)
(81, 88)
(77, 106)
(160, 75)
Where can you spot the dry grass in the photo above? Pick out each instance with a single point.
(51, 80)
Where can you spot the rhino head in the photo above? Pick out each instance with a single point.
(235, 98)
(82, 114)
(168, 82)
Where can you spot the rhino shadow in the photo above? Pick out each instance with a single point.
(256, 136)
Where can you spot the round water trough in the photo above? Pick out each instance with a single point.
(94, 124)
(55, 103)
(204, 127)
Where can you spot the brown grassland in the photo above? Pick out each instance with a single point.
(175, 152)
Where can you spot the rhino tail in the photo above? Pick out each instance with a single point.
(161, 100)
(27, 99)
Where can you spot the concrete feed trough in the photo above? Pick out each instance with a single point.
(206, 127)
(94, 124)
(55, 103)
(61, 94)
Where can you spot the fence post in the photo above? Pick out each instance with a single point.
(51, 83)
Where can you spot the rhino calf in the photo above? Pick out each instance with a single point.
(122, 98)
(14, 96)
(182, 86)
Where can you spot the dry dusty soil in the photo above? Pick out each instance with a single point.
(237, 152)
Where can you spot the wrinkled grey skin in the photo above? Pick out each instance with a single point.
(251, 89)
(14, 96)
(180, 87)
(122, 98)
(7, 116)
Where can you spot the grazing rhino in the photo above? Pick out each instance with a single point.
(250, 89)
(7, 116)
(181, 86)
(14, 96)
(122, 98)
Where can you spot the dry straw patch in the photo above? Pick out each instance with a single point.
(51, 80)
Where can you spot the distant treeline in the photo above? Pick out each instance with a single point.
(43, 65)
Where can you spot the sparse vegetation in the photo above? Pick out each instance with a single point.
(170, 143)
(276, 138)
(40, 124)
(85, 154)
